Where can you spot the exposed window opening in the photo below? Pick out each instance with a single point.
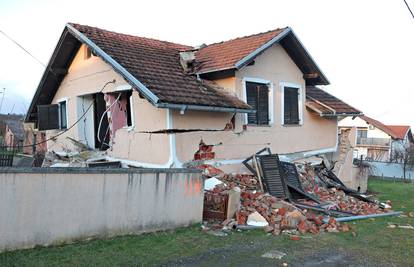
(63, 119)
(257, 96)
(130, 110)
(101, 125)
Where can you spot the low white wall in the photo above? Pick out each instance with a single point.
(387, 169)
(57, 205)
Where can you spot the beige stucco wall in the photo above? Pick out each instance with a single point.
(89, 76)
(46, 207)
(275, 66)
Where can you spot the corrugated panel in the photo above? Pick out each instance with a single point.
(273, 176)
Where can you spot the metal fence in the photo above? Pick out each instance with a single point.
(7, 154)
(370, 141)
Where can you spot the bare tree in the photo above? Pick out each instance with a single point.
(405, 157)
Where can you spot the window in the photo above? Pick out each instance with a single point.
(291, 104)
(363, 133)
(257, 96)
(51, 117)
(63, 122)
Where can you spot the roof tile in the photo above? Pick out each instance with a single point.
(329, 104)
(157, 65)
(225, 55)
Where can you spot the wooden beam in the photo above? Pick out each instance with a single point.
(59, 71)
(310, 75)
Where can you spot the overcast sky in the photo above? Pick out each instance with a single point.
(365, 48)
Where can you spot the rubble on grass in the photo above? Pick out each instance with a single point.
(281, 215)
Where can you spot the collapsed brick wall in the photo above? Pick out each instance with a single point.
(117, 114)
(204, 152)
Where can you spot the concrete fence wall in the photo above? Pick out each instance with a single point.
(391, 170)
(57, 205)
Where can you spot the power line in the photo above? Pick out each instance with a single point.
(24, 49)
(79, 119)
(409, 9)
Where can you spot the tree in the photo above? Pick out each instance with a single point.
(404, 156)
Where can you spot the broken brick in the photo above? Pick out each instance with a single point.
(295, 237)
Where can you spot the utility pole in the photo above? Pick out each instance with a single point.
(2, 98)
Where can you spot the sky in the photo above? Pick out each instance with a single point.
(365, 48)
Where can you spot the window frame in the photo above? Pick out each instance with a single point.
(300, 103)
(270, 87)
(131, 112)
(59, 102)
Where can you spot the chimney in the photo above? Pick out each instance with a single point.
(187, 59)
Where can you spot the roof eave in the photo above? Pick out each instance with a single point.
(247, 59)
(185, 107)
(121, 70)
(342, 115)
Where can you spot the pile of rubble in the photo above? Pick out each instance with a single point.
(276, 216)
(335, 198)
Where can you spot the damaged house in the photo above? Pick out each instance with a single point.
(152, 103)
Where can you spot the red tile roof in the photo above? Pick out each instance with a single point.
(395, 131)
(399, 130)
(156, 64)
(225, 55)
(327, 104)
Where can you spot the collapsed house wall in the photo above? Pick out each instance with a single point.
(273, 65)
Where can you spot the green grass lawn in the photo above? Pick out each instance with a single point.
(373, 244)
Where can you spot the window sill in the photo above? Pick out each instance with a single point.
(260, 125)
(292, 125)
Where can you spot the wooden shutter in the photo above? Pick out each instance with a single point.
(291, 105)
(251, 92)
(48, 117)
(258, 99)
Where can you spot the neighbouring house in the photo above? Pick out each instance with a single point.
(34, 140)
(14, 133)
(376, 141)
(159, 104)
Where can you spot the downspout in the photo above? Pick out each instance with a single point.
(173, 160)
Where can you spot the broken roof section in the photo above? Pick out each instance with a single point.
(327, 105)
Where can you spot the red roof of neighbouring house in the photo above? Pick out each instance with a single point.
(326, 104)
(399, 130)
(395, 131)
